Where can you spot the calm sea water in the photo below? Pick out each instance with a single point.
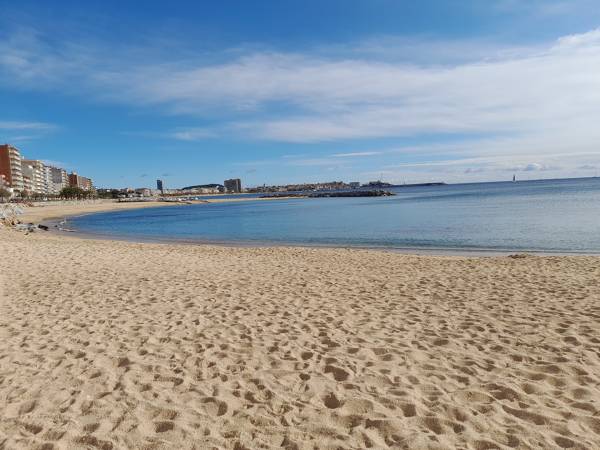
(549, 215)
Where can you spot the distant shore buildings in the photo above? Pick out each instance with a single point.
(229, 186)
(233, 185)
(26, 177)
(304, 187)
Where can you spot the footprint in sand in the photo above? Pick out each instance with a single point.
(331, 401)
(338, 373)
(163, 426)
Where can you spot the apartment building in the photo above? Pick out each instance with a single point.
(31, 176)
(233, 185)
(10, 167)
(80, 182)
(34, 176)
(57, 179)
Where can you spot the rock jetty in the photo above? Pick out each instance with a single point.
(9, 213)
(328, 194)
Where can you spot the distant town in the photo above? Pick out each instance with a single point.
(33, 179)
(232, 186)
(30, 179)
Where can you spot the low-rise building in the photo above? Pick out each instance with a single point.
(143, 192)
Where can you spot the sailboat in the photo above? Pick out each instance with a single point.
(514, 178)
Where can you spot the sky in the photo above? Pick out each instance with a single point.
(289, 91)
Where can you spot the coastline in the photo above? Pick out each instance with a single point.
(42, 212)
(127, 344)
(416, 251)
(56, 213)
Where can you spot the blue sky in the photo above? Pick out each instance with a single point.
(290, 91)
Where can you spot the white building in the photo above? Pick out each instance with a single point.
(34, 177)
(57, 179)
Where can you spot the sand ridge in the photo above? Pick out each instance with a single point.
(113, 345)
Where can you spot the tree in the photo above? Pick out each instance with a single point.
(4, 194)
(72, 192)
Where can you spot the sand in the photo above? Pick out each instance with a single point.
(113, 345)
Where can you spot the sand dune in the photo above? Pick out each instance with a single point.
(111, 345)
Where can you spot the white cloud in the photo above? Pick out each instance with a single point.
(355, 154)
(546, 8)
(192, 134)
(509, 101)
(490, 167)
(20, 131)
(532, 167)
(19, 126)
(549, 93)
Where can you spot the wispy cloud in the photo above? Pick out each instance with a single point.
(192, 134)
(180, 134)
(23, 131)
(589, 167)
(341, 98)
(538, 100)
(355, 154)
(545, 8)
(491, 167)
(19, 126)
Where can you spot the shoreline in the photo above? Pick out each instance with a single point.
(416, 251)
(42, 212)
(53, 217)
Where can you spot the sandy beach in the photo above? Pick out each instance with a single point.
(115, 345)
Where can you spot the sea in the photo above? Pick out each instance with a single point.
(555, 216)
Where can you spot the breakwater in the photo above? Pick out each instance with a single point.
(9, 213)
(329, 194)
